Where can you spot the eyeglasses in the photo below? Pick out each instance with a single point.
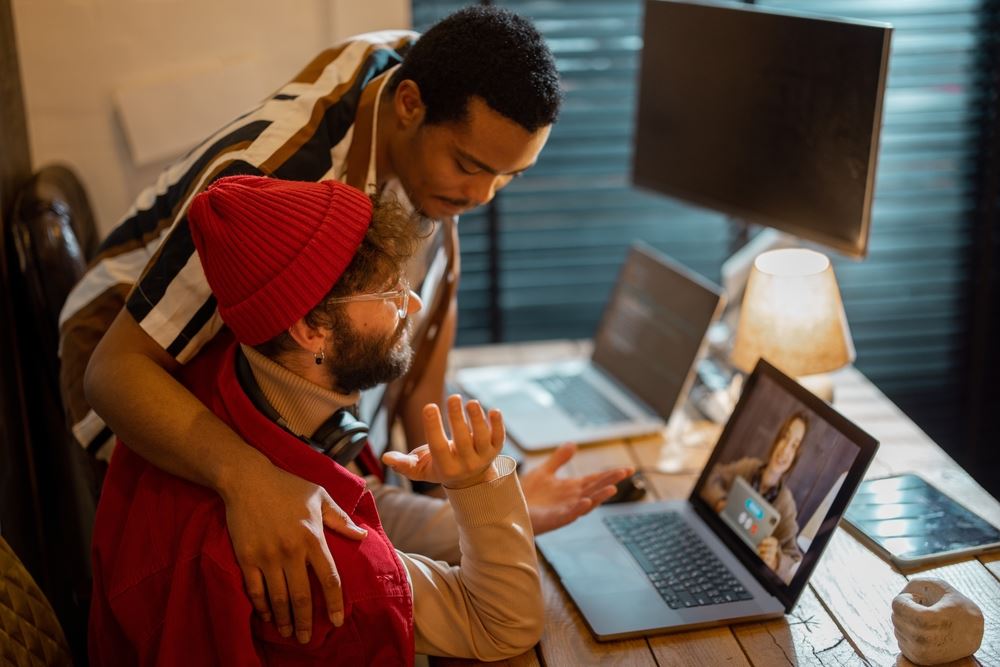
(401, 295)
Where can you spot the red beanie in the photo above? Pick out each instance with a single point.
(272, 249)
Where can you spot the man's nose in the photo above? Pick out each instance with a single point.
(482, 189)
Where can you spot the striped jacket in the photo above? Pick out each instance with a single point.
(317, 126)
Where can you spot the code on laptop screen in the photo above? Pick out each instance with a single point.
(653, 327)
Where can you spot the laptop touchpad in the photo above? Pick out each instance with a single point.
(586, 559)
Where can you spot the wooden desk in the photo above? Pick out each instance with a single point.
(842, 617)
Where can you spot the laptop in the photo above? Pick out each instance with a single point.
(748, 514)
(650, 335)
(675, 565)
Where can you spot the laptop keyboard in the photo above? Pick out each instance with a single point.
(580, 400)
(679, 564)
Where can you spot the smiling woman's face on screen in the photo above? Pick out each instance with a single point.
(787, 446)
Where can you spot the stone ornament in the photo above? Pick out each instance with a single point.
(934, 623)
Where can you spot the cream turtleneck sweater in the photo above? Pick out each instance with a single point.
(489, 607)
(303, 405)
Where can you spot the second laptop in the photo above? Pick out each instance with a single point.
(650, 335)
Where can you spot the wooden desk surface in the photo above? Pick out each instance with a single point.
(842, 617)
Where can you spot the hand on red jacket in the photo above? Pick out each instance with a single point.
(276, 521)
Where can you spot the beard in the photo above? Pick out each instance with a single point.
(359, 362)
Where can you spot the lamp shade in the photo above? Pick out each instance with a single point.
(792, 315)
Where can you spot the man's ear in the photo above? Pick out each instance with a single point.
(408, 104)
(309, 338)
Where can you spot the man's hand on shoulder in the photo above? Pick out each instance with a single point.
(555, 501)
(276, 523)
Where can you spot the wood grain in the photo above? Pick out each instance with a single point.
(992, 563)
(857, 588)
(528, 659)
(647, 453)
(715, 646)
(595, 458)
(807, 636)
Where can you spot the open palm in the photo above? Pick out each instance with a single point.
(555, 501)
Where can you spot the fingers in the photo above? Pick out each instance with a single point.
(498, 431)
(301, 601)
(559, 457)
(768, 548)
(414, 466)
(482, 439)
(277, 590)
(576, 510)
(254, 582)
(437, 441)
(402, 463)
(598, 480)
(602, 494)
(329, 580)
(337, 520)
(905, 607)
(460, 431)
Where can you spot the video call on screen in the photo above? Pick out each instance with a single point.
(777, 475)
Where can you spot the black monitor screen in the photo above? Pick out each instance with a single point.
(770, 117)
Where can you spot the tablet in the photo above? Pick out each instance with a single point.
(911, 523)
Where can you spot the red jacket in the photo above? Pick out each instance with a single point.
(167, 587)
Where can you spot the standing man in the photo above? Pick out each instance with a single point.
(441, 123)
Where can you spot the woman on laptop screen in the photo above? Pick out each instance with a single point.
(752, 497)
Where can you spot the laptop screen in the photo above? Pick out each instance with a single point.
(780, 478)
(654, 326)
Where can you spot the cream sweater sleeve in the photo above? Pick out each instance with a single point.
(416, 523)
(490, 607)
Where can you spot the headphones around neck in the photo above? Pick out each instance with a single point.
(341, 437)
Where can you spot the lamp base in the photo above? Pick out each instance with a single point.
(820, 384)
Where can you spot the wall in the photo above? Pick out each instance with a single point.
(89, 65)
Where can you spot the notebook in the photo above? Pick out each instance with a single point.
(672, 565)
(650, 335)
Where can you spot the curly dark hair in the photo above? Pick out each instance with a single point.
(390, 241)
(486, 52)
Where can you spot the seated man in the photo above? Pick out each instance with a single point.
(308, 282)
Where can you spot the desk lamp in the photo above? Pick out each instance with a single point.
(792, 316)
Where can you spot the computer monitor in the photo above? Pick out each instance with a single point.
(769, 116)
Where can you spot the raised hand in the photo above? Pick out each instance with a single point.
(768, 552)
(555, 501)
(466, 459)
